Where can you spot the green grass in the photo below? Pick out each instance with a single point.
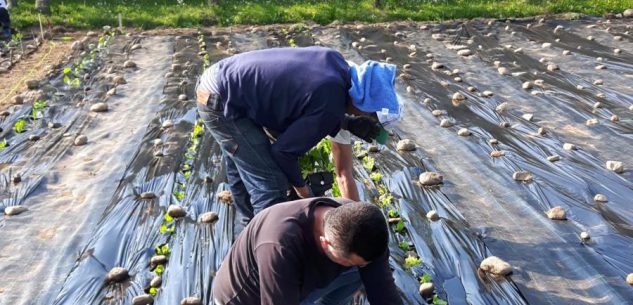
(194, 13)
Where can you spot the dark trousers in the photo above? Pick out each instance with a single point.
(6, 22)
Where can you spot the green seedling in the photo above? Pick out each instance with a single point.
(67, 38)
(369, 163)
(188, 156)
(411, 262)
(153, 291)
(180, 195)
(404, 245)
(318, 159)
(18, 127)
(438, 301)
(37, 107)
(197, 131)
(426, 278)
(162, 250)
(386, 200)
(159, 269)
(382, 190)
(393, 213)
(168, 218)
(187, 174)
(375, 176)
(167, 229)
(3, 144)
(292, 43)
(399, 226)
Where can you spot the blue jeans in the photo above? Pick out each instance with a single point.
(338, 292)
(254, 178)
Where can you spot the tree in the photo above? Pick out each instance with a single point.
(43, 6)
(12, 3)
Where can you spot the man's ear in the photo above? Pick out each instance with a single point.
(324, 243)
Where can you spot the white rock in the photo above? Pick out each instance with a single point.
(135, 46)
(614, 118)
(558, 28)
(527, 85)
(406, 145)
(552, 67)
(600, 95)
(566, 52)
(524, 176)
(615, 166)
(191, 301)
(14, 210)
(493, 141)
(209, 217)
(182, 97)
(497, 153)
(471, 89)
(158, 260)
(487, 93)
(436, 112)
(569, 146)
(546, 45)
(598, 82)
(503, 71)
(432, 215)
(225, 197)
(410, 89)
(430, 178)
(629, 278)
(502, 107)
(497, 63)
(600, 198)
(406, 66)
(557, 213)
(446, 123)
(528, 116)
(541, 131)
(539, 82)
(458, 79)
(458, 96)
(427, 101)
(601, 67)
(464, 132)
(143, 299)
(81, 140)
(99, 107)
(617, 51)
(597, 105)
(592, 122)
(590, 38)
(426, 289)
(117, 275)
(580, 87)
(119, 80)
(437, 65)
(628, 13)
(176, 211)
(496, 266)
(167, 124)
(156, 281)
(617, 38)
(129, 64)
(148, 195)
(584, 236)
(553, 158)
(464, 52)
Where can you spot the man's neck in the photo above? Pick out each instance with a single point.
(317, 225)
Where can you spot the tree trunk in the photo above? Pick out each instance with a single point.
(43, 6)
(12, 3)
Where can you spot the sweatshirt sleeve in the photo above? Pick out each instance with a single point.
(379, 284)
(306, 131)
(278, 269)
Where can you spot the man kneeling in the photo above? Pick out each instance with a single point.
(309, 251)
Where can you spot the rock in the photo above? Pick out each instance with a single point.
(615, 166)
(176, 67)
(81, 140)
(167, 124)
(597, 105)
(77, 46)
(438, 36)
(497, 153)
(34, 137)
(157, 260)
(539, 82)
(54, 125)
(552, 67)
(556, 213)
(6, 113)
(135, 47)
(191, 301)
(14, 210)
(600, 67)
(617, 38)
(590, 38)
(471, 89)
(463, 132)
(614, 118)
(129, 64)
(18, 100)
(487, 93)
(541, 131)
(464, 52)
(503, 71)
(504, 124)
(159, 154)
(584, 236)
(99, 107)
(156, 281)
(16, 178)
(148, 195)
(209, 217)
(629, 279)
(600, 95)
(427, 101)
(436, 112)
(617, 51)
(524, 176)
(546, 45)
(553, 158)
(458, 96)
(566, 52)
(569, 146)
(631, 108)
(426, 289)
(528, 116)
(493, 141)
(119, 80)
(225, 197)
(628, 13)
(432, 215)
(591, 122)
(600, 198)
(437, 65)
(176, 211)
(458, 79)
(445, 123)
(117, 275)
(527, 85)
(182, 97)
(32, 84)
(502, 107)
(143, 299)
(406, 145)
(111, 92)
(598, 82)
(495, 266)
(430, 178)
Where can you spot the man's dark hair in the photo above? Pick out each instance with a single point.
(358, 228)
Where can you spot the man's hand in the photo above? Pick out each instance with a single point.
(361, 126)
(304, 191)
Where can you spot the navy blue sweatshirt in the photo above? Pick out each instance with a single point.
(299, 93)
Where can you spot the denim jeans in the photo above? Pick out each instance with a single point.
(339, 292)
(254, 178)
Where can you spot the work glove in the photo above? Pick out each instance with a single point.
(361, 126)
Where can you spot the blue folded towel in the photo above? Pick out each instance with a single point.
(373, 87)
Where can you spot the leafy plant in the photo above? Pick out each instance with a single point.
(369, 163)
(19, 126)
(426, 278)
(438, 301)
(375, 176)
(317, 159)
(162, 250)
(180, 195)
(386, 200)
(37, 107)
(159, 269)
(393, 213)
(70, 77)
(153, 291)
(292, 43)
(3, 144)
(197, 131)
(404, 245)
(412, 261)
(399, 226)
